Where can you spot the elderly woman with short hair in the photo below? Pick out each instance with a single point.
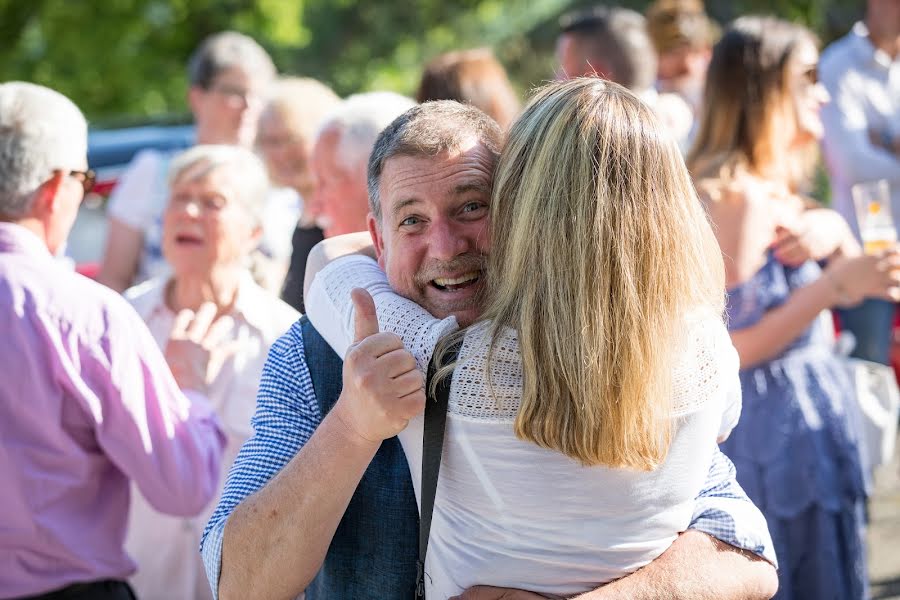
(210, 227)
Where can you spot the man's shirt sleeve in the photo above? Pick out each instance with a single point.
(287, 414)
(723, 511)
(846, 142)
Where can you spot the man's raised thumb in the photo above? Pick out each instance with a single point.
(365, 321)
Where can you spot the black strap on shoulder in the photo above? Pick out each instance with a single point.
(432, 446)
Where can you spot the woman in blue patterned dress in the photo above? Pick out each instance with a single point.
(795, 447)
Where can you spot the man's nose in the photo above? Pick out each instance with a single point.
(447, 240)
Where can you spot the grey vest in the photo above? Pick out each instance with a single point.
(374, 550)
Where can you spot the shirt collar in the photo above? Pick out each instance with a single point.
(866, 50)
(19, 240)
(250, 304)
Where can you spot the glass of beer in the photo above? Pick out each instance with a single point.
(873, 213)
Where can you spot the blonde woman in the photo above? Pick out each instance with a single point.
(795, 448)
(586, 402)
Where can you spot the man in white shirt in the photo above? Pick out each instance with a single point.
(861, 72)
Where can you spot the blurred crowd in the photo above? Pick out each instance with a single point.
(124, 406)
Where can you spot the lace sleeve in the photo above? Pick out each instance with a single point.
(707, 371)
(330, 309)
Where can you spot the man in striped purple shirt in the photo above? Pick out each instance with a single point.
(87, 401)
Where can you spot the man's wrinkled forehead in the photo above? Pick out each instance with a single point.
(470, 165)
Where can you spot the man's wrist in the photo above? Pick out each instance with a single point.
(346, 427)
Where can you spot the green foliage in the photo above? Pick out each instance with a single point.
(126, 58)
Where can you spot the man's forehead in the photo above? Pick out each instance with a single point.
(470, 162)
(324, 152)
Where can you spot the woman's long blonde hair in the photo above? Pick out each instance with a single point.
(600, 246)
(748, 120)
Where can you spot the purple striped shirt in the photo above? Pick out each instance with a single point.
(87, 404)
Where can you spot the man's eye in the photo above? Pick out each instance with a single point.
(409, 221)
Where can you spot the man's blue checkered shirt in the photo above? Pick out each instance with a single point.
(287, 414)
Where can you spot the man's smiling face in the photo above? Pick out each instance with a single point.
(432, 237)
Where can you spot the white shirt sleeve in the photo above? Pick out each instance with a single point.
(132, 200)
(847, 145)
(730, 366)
(331, 312)
(706, 372)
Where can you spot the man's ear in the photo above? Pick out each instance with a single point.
(377, 239)
(47, 199)
(194, 98)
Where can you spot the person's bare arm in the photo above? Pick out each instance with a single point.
(122, 255)
(275, 541)
(695, 567)
(846, 282)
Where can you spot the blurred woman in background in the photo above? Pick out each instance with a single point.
(795, 447)
(211, 224)
(473, 77)
(228, 77)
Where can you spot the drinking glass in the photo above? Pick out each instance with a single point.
(873, 212)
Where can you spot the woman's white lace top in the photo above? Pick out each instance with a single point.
(508, 512)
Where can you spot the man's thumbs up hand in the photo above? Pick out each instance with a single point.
(383, 388)
(366, 320)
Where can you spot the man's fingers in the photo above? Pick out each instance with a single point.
(397, 362)
(378, 345)
(365, 321)
(204, 317)
(408, 383)
(411, 405)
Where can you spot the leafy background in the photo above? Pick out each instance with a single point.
(123, 61)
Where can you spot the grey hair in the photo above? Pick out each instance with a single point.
(40, 131)
(428, 130)
(619, 38)
(226, 50)
(358, 120)
(248, 173)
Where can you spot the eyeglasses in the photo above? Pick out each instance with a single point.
(86, 178)
(210, 204)
(234, 94)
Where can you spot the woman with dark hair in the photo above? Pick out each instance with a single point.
(473, 77)
(795, 447)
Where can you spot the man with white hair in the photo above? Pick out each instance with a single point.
(87, 402)
(340, 155)
(340, 203)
